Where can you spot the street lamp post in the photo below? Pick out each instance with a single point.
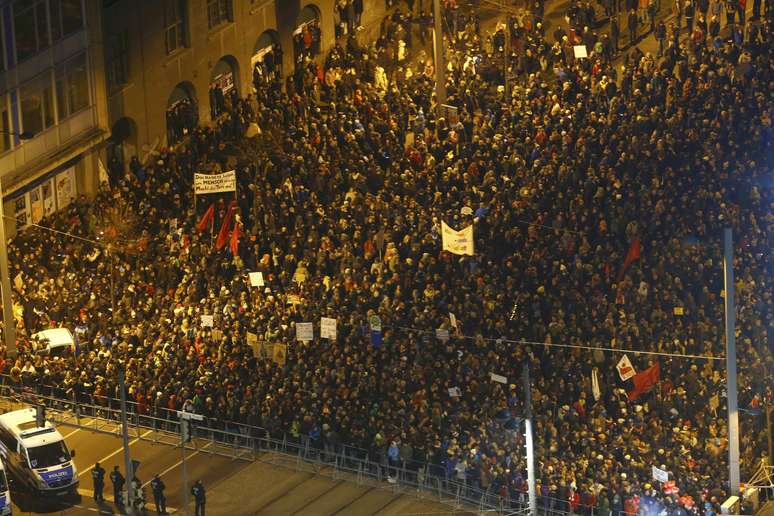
(440, 62)
(733, 412)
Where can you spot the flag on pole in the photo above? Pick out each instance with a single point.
(224, 233)
(635, 251)
(206, 219)
(645, 381)
(235, 239)
(595, 384)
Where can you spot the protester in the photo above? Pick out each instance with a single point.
(597, 197)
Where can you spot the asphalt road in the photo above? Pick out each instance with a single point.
(91, 446)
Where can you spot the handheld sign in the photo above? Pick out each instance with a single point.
(256, 279)
(328, 328)
(304, 331)
(208, 321)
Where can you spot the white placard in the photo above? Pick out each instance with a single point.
(215, 183)
(625, 368)
(455, 392)
(256, 279)
(208, 321)
(498, 378)
(442, 334)
(328, 328)
(580, 51)
(660, 474)
(457, 242)
(304, 331)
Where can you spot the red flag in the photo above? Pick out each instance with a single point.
(235, 239)
(644, 381)
(223, 233)
(206, 219)
(635, 251)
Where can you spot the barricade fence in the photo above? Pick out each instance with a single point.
(245, 442)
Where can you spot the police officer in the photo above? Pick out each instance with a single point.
(98, 477)
(118, 484)
(198, 493)
(157, 486)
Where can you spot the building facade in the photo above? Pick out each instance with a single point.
(87, 84)
(163, 57)
(53, 114)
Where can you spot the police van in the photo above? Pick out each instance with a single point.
(36, 453)
(5, 494)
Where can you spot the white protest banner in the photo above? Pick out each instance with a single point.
(457, 242)
(595, 384)
(455, 392)
(453, 320)
(497, 378)
(328, 328)
(208, 321)
(625, 368)
(660, 474)
(442, 334)
(580, 51)
(256, 279)
(304, 331)
(215, 183)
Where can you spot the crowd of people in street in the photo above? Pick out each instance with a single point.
(598, 191)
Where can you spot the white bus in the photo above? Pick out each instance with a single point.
(37, 455)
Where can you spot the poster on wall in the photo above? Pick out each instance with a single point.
(49, 203)
(65, 187)
(36, 205)
(20, 211)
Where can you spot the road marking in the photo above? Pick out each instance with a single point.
(173, 466)
(109, 498)
(119, 450)
(73, 432)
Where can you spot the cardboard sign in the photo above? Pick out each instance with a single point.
(304, 331)
(208, 321)
(252, 341)
(280, 353)
(328, 328)
(256, 279)
(453, 320)
(580, 51)
(498, 378)
(625, 368)
(660, 474)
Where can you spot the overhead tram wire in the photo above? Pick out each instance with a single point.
(572, 346)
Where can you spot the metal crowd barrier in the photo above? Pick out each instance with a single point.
(244, 442)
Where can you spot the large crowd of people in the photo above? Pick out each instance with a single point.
(598, 192)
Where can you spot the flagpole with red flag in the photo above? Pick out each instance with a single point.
(634, 254)
(223, 234)
(207, 219)
(645, 381)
